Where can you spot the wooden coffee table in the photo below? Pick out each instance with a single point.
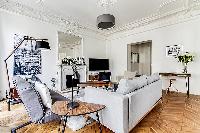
(60, 108)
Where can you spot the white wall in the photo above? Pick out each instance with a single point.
(185, 33)
(11, 24)
(14, 24)
(1, 54)
(93, 48)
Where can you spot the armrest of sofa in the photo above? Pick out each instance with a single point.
(115, 115)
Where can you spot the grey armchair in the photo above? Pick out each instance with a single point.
(33, 103)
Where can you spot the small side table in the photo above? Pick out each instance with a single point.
(60, 108)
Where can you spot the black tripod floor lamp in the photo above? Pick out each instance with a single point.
(40, 44)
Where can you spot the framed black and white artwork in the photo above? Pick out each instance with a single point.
(173, 50)
(27, 61)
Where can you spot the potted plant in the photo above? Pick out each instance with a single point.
(185, 59)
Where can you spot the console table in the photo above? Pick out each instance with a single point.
(185, 75)
(60, 108)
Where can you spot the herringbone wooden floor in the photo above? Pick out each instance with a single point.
(177, 114)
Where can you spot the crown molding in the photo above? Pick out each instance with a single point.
(180, 9)
(65, 24)
(180, 17)
(177, 8)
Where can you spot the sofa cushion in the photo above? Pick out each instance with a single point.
(44, 93)
(129, 75)
(30, 99)
(154, 77)
(142, 81)
(126, 86)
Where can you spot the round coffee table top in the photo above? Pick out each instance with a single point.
(60, 108)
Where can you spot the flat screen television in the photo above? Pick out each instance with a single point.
(98, 64)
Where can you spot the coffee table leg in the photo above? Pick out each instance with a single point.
(100, 128)
(64, 125)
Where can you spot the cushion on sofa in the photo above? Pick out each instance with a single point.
(142, 81)
(129, 75)
(126, 86)
(44, 93)
(154, 77)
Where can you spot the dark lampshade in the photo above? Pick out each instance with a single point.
(42, 45)
(105, 21)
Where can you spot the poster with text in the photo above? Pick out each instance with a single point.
(173, 50)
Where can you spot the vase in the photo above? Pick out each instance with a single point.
(184, 68)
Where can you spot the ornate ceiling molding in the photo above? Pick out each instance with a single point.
(168, 20)
(65, 24)
(177, 8)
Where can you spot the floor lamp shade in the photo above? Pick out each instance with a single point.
(42, 45)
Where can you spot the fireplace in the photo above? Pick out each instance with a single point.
(66, 77)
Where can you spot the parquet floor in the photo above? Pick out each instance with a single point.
(176, 114)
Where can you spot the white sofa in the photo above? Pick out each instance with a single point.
(124, 112)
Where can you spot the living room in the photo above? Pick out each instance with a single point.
(165, 24)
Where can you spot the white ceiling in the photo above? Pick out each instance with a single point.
(65, 39)
(86, 11)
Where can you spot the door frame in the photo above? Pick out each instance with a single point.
(137, 43)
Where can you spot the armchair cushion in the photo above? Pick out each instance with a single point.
(44, 93)
(56, 97)
(30, 99)
(49, 116)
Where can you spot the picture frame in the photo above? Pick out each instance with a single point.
(173, 50)
(26, 60)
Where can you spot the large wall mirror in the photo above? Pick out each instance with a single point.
(69, 45)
